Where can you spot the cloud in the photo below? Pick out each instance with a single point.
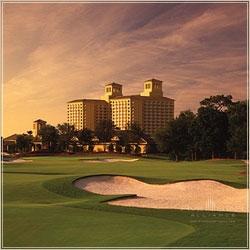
(54, 53)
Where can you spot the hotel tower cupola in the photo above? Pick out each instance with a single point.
(112, 90)
(152, 87)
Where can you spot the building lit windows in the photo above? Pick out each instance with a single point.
(150, 110)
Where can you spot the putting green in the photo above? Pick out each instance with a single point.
(43, 209)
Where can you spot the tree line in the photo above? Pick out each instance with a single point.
(217, 130)
(64, 137)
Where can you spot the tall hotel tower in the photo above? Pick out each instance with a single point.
(151, 110)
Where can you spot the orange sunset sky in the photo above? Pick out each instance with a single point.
(54, 53)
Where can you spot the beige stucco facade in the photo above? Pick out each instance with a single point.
(87, 113)
(151, 110)
(37, 125)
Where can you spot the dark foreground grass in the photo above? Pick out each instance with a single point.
(43, 209)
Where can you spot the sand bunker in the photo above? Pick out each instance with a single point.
(246, 161)
(191, 195)
(17, 161)
(111, 160)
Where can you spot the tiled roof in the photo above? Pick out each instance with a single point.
(40, 120)
(11, 137)
(112, 83)
(153, 79)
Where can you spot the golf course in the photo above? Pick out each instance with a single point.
(43, 208)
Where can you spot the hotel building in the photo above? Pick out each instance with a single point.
(151, 110)
(87, 113)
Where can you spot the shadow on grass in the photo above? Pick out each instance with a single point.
(34, 173)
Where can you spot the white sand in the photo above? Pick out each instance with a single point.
(112, 160)
(17, 161)
(192, 195)
(5, 154)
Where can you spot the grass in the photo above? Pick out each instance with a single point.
(43, 209)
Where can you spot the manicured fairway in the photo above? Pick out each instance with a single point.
(43, 209)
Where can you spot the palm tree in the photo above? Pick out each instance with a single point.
(136, 132)
(24, 142)
(66, 134)
(85, 136)
(105, 130)
(50, 137)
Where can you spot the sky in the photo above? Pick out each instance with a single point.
(57, 52)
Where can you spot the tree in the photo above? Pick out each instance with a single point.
(136, 132)
(50, 136)
(167, 140)
(137, 149)
(111, 147)
(105, 130)
(66, 132)
(188, 118)
(212, 125)
(195, 137)
(217, 102)
(29, 132)
(237, 117)
(132, 134)
(118, 148)
(124, 137)
(85, 136)
(24, 142)
(176, 138)
(219, 125)
(128, 148)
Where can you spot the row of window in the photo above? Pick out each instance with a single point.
(119, 101)
(156, 116)
(85, 106)
(157, 106)
(121, 114)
